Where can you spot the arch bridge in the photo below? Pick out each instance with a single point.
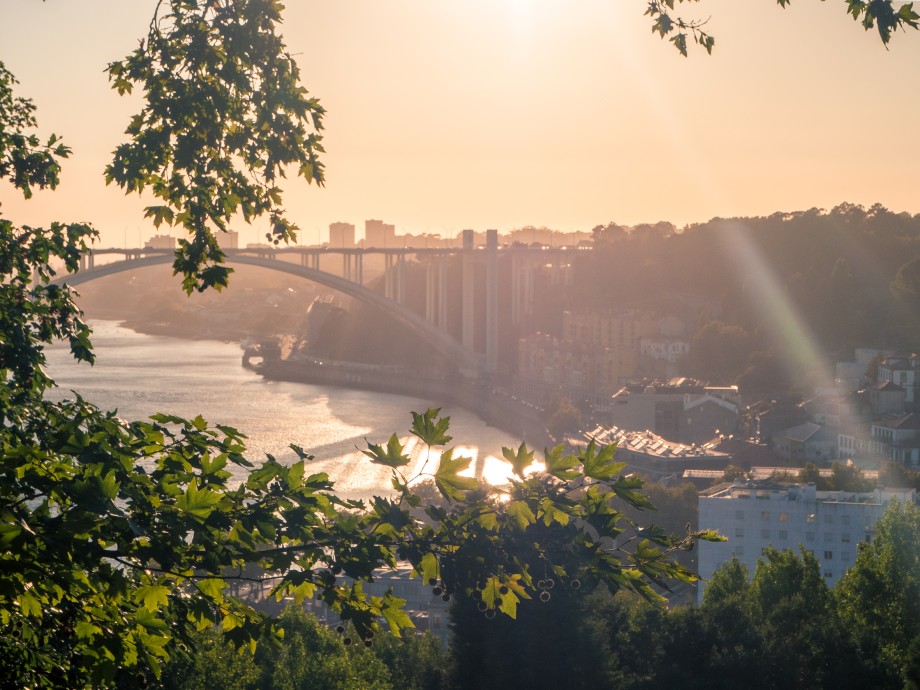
(350, 281)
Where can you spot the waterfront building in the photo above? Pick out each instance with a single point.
(657, 457)
(681, 410)
(755, 514)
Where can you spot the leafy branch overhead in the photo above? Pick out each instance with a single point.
(886, 16)
(224, 118)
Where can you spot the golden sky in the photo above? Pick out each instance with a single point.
(503, 113)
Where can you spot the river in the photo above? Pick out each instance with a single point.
(139, 375)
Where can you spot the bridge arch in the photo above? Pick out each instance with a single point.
(441, 341)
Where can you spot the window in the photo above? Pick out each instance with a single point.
(828, 575)
(845, 538)
(845, 556)
(739, 515)
(739, 551)
(783, 517)
(845, 519)
(739, 532)
(828, 536)
(809, 536)
(765, 516)
(828, 555)
(764, 534)
(828, 519)
(783, 535)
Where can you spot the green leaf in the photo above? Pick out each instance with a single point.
(628, 488)
(561, 466)
(30, 605)
(553, 513)
(521, 513)
(520, 460)
(394, 614)
(212, 588)
(600, 464)
(84, 630)
(429, 568)
(431, 429)
(199, 504)
(391, 456)
(448, 479)
(152, 597)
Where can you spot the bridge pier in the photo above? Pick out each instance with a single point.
(469, 293)
(388, 276)
(401, 279)
(436, 292)
(491, 301)
(442, 294)
(431, 311)
(522, 272)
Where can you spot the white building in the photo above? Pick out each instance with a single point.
(757, 514)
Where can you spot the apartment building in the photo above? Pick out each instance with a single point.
(756, 514)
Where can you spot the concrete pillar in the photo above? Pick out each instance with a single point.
(468, 290)
(430, 296)
(388, 291)
(515, 288)
(442, 293)
(401, 279)
(491, 301)
(359, 269)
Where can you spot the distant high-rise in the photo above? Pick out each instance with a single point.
(341, 235)
(379, 234)
(160, 242)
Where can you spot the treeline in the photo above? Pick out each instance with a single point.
(779, 627)
(846, 277)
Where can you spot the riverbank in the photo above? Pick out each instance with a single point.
(495, 406)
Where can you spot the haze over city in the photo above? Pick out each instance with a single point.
(693, 282)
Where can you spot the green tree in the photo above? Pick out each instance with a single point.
(309, 656)
(879, 597)
(209, 663)
(415, 662)
(561, 416)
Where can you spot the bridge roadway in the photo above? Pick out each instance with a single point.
(432, 329)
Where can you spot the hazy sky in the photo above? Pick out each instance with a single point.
(503, 113)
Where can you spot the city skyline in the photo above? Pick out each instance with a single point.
(507, 114)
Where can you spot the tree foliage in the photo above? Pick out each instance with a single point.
(224, 117)
(886, 16)
(879, 597)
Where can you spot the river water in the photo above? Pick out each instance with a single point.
(139, 375)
